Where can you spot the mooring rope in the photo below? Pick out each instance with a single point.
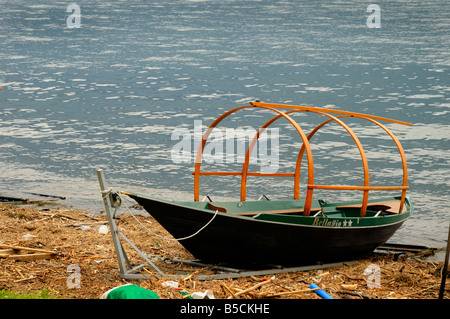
(119, 200)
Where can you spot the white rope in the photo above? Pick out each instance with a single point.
(117, 199)
(109, 191)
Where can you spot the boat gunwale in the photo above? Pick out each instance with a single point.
(403, 216)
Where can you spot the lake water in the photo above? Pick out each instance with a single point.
(110, 93)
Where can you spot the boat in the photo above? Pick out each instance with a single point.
(288, 232)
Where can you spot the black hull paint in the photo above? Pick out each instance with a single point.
(240, 241)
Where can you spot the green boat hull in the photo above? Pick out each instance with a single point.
(255, 233)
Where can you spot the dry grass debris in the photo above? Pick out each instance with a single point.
(74, 238)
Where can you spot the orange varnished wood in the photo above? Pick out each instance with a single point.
(305, 148)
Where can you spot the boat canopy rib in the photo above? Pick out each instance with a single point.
(305, 148)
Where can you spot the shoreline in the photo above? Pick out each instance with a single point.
(417, 230)
(51, 228)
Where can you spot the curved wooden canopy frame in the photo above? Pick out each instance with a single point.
(198, 160)
(299, 158)
(305, 147)
(366, 186)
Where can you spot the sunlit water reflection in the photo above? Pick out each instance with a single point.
(109, 95)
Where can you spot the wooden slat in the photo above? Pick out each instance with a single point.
(6, 252)
(325, 110)
(27, 249)
(389, 206)
(217, 208)
(248, 173)
(27, 257)
(278, 211)
(360, 188)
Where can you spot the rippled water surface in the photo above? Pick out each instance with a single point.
(110, 93)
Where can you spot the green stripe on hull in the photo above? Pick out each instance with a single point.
(332, 216)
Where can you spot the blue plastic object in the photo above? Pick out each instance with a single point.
(320, 292)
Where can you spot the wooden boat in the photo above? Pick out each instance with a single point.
(285, 232)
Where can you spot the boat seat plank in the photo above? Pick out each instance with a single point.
(392, 207)
(278, 211)
(250, 213)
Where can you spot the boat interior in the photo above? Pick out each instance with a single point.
(319, 208)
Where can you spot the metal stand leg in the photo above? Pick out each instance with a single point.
(445, 267)
(122, 258)
(127, 272)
